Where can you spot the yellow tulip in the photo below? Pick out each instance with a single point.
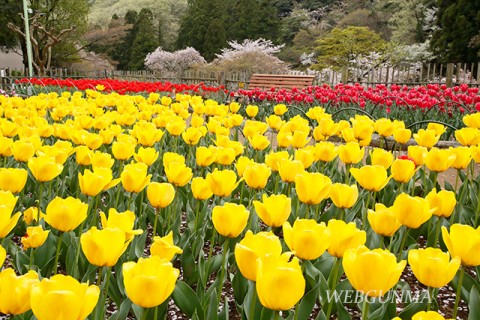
(300, 138)
(383, 220)
(384, 127)
(7, 204)
(437, 127)
(123, 150)
(92, 183)
(307, 238)
(443, 201)
(44, 168)
(326, 151)
(403, 170)
(256, 175)
(160, 195)
(103, 247)
(412, 212)
(205, 156)
(77, 299)
(178, 174)
(23, 150)
(13, 179)
(351, 153)
(381, 157)
(468, 136)
(169, 157)
(273, 159)
(31, 214)
(66, 214)
(402, 135)
(253, 247)
(463, 241)
(344, 236)
(439, 160)
(274, 210)
(475, 153)
(201, 188)
(463, 156)
(426, 315)
(371, 178)
(251, 111)
(372, 272)
(176, 127)
(326, 128)
(418, 154)
(149, 281)
(222, 183)
(312, 188)
(284, 139)
(5, 146)
(15, 291)
(146, 155)
(164, 247)
(426, 138)
(280, 109)
(192, 136)
(275, 122)
(433, 267)
(280, 282)
(225, 156)
(3, 255)
(242, 163)
(121, 220)
(134, 177)
(343, 195)
(288, 169)
(305, 156)
(259, 141)
(34, 237)
(472, 120)
(230, 219)
(83, 155)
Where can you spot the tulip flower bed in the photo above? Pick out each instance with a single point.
(409, 104)
(151, 207)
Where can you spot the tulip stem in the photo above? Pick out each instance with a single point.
(40, 196)
(197, 213)
(276, 315)
(364, 214)
(57, 253)
(430, 297)
(402, 243)
(459, 291)
(145, 314)
(437, 231)
(224, 268)
(332, 281)
(456, 179)
(107, 283)
(155, 222)
(31, 259)
(252, 303)
(155, 313)
(365, 309)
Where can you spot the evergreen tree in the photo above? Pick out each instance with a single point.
(123, 49)
(144, 41)
(268, 22)
(203, 27)
(459, 26)
(244, 20)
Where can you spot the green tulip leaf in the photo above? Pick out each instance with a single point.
(307, 303)
(474, 305)
(186, 299)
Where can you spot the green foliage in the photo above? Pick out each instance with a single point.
(340, 46)
(143, 42)
(459, 25)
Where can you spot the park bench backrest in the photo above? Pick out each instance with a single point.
(278, 81)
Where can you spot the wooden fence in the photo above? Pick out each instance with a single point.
(404, 74)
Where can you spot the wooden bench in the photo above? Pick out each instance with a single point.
(267, 81)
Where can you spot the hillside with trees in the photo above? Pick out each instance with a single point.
(312, 33)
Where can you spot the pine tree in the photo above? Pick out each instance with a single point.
(459, 27)
(144, 41)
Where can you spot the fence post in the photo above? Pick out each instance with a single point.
(221, 78)
(449, 77)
